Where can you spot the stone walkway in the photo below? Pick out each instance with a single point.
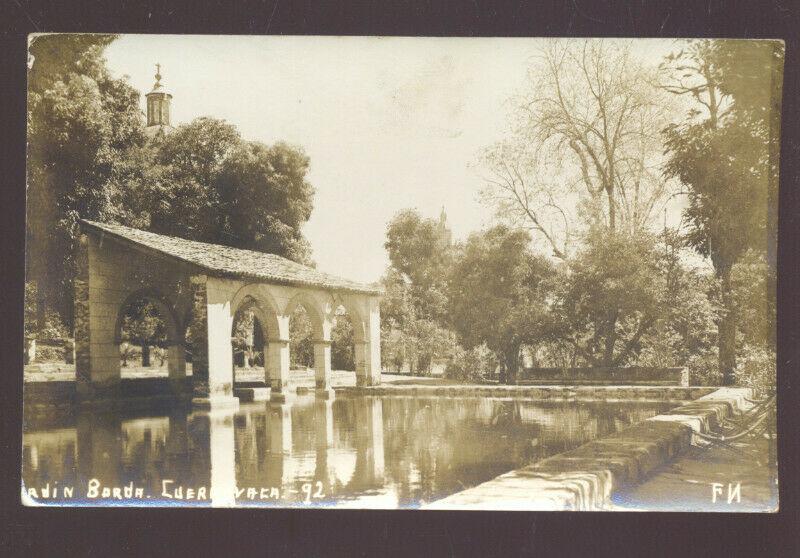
(688, 484)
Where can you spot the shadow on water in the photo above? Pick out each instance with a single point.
(355, 451)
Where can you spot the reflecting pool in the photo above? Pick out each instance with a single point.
(386, 452)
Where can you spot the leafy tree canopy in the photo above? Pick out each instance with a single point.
(82, 123)
(497, 292)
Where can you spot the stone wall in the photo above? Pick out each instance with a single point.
(537, 393)
(632, 375)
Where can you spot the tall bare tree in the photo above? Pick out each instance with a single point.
(585, 147)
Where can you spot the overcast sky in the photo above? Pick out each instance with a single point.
(388, 123)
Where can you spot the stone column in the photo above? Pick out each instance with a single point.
(276, 369)
(176, 361)
(176, 367)
(81, 318)
(98, 297)
(212, 357)
(199, 337)
(373, 350)
(360, 353)
(368, 351)
(322, 369)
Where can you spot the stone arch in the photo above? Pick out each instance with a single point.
(356, 317)
(317, 311)
(165, 308)
(260, 300)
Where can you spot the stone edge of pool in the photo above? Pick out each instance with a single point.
(585, 478)
(538, 393)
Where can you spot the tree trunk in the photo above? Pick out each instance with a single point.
(612, 210)
(145, 355)
(726, 339)
(512, 364)
(608, 352)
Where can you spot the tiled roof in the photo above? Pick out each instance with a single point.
(225, 261)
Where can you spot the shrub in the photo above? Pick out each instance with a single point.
(471, 365)
(756, 368)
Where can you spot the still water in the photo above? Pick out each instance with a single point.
(385, 452)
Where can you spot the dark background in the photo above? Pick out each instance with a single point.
(114, 532)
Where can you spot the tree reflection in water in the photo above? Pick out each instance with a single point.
(359, 451)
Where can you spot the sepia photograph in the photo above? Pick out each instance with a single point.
(433, 273)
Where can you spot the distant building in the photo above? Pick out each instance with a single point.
(158, 109)
(445, 235)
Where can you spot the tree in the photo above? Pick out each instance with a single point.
(342, 348)
(143, 325)
(212, 186)
(88, 157)
(266, 199)
(587, 137)
(498, 293)
(685, 333)
(418, 253)
(82, 123)
(184, 200)
(610, 297)
(725, 153)
(408, 333)
(301, 333)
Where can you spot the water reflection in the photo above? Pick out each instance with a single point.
(360, 452)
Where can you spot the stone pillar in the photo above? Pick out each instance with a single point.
(368, 351)
(30, 350)
(81, 318)
(69, 351)
(360, 351)
(176, 361)
(322, 369)
(97, 305)
(199, 336)
(176, 368)
(276, 369)
(373, 350)
(212, 357)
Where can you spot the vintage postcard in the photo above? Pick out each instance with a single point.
(377, 272)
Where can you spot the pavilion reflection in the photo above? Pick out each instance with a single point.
(391, 451)
(336, 447)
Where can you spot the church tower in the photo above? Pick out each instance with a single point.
(443, 231)
(158, 105)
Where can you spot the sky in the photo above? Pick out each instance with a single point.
(388, 123)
